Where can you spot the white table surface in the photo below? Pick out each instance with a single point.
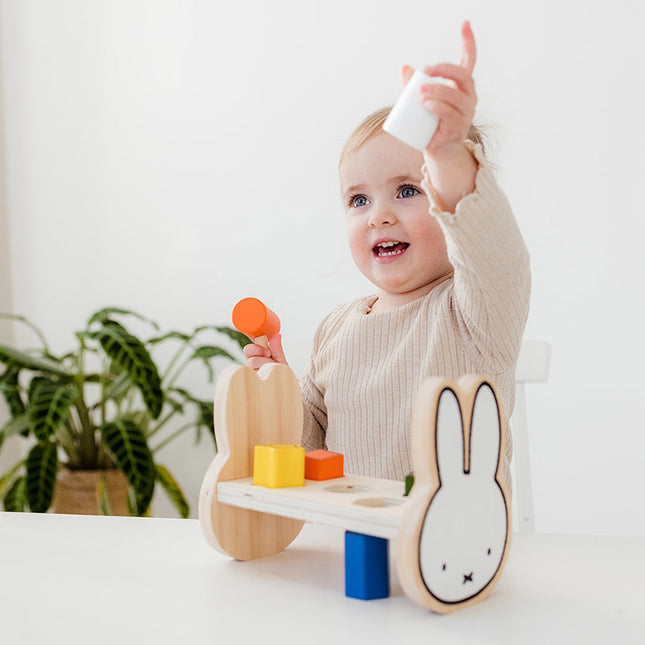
(78, 579)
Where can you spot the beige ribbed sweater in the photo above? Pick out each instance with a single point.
(364, 370)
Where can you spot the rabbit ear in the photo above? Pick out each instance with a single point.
(449, 437)
(485, 434)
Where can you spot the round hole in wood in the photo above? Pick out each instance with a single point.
(346, 488)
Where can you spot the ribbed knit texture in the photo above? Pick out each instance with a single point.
(361, 379)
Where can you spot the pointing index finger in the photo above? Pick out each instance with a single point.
(468, 48)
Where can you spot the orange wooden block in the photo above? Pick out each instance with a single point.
(322, 464)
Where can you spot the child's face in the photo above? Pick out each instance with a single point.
(395, 242)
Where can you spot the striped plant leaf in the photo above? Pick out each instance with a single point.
(129, 449)
(205, 418)
(241, 339)
(119, 386)
(170, 485)
(34, 383)
(15, 358)
(102, 498)
(7, 478)
(16, 498)
(129, 354)
(141, 419)
(171, 334)
(210, 351)
(103, 315)
(132, 505)
(206, 352)
(17, 425)
(42, 467)
(11, 391)
(49, 406)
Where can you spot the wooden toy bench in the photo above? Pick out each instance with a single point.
(451, 534)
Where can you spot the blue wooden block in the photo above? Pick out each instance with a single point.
(367, 574)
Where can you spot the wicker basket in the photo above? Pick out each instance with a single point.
(77, 491)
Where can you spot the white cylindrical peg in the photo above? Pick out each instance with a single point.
(409, 121)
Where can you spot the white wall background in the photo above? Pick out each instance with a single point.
(10, 452)
(173, 157)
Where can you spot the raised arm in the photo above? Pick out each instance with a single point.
(485, 247)
(450, 165)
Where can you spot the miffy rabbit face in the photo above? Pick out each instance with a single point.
(464, 533)
(463, 542)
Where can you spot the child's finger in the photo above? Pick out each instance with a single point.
(406, 74)
(456, 98)
(277, 353)
(257, 362)
(446, 112)
(253, 350)
(468, 48)
(460, 75)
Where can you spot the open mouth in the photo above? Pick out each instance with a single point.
(389, 249)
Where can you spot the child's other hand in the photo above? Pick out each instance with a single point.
(257, 356)
(455, 106)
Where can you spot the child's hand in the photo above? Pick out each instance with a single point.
(257, 356)
(455, 106)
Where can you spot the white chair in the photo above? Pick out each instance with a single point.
(532, 367)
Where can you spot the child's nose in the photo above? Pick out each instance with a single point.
(382, 216)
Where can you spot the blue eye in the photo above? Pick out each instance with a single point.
(408, 191)
(358, 200)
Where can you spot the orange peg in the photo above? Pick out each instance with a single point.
(253, 318)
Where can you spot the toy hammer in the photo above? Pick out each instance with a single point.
(254, 319)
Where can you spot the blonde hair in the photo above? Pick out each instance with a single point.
(372, 125)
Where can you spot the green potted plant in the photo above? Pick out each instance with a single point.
(103, 408)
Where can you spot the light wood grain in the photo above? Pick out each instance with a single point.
(250, 409)
(263, 341)
(362, 504)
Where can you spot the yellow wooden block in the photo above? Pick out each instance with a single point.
(279, 465)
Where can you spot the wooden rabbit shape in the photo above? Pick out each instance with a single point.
(456, 528)
(250, 409)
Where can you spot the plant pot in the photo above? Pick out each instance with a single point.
(77, 491)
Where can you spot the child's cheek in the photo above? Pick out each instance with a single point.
(358, 244)
(353, 235)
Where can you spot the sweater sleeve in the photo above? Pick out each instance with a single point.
(492, 278)
(315, 413)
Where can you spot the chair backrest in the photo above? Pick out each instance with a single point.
(532, 367)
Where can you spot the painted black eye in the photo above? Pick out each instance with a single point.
(443, 566)
(488, 552)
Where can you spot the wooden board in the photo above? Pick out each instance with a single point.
(250, 409)
(361, 504)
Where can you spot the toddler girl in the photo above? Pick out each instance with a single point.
(436, 236)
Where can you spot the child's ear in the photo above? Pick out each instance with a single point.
(406, 74)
